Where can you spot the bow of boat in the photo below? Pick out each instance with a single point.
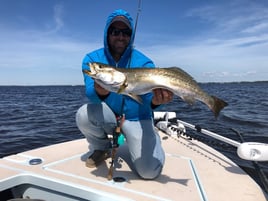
(192, 171)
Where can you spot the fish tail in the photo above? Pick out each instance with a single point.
(218, 105)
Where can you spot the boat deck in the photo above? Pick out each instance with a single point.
(192, 171)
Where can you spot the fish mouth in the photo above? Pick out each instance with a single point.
(88, 72)
(92, 69)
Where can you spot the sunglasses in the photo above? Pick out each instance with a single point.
(116, 32)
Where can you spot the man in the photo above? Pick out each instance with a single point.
(98, 118)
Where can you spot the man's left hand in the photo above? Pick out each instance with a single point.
(161, 96)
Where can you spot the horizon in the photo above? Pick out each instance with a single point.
(82, 85)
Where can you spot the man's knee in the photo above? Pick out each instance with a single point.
(148, 169)
(81, 118)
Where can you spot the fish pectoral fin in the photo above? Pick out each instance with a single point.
(135, 97)
(188, 99)
(122, 87)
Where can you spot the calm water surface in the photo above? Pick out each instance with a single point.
(35, 116)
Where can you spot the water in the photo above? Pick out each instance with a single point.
(35, 116)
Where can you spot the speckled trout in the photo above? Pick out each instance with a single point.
(138, 81)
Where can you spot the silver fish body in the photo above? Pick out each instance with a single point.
(138, 81)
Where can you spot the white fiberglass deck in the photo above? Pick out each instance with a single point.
(192, 171)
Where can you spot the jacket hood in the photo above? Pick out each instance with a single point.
(126, 56)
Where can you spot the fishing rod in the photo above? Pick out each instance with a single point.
(134, 31)
(117, 141)
(118, 138)
(136, 21)
(252, 151)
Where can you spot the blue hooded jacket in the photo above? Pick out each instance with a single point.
(120, 104)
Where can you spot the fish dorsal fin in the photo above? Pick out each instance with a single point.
(181, 71)
(188, 99)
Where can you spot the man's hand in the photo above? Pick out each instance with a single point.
(161, 96)
(100, 91)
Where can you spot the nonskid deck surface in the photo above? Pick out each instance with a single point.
(192, 171)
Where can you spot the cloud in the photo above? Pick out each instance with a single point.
(55, 22)
(242, 58)
(37, 50)
(24, 47)
(42, 54)
(58, 13)
(50, 61)
(37, 56)
(260, 27)
(233, 45)
(237, 17)
(229, 76)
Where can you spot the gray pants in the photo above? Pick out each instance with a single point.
(95, 121)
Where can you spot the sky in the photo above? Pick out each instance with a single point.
(43, 42)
